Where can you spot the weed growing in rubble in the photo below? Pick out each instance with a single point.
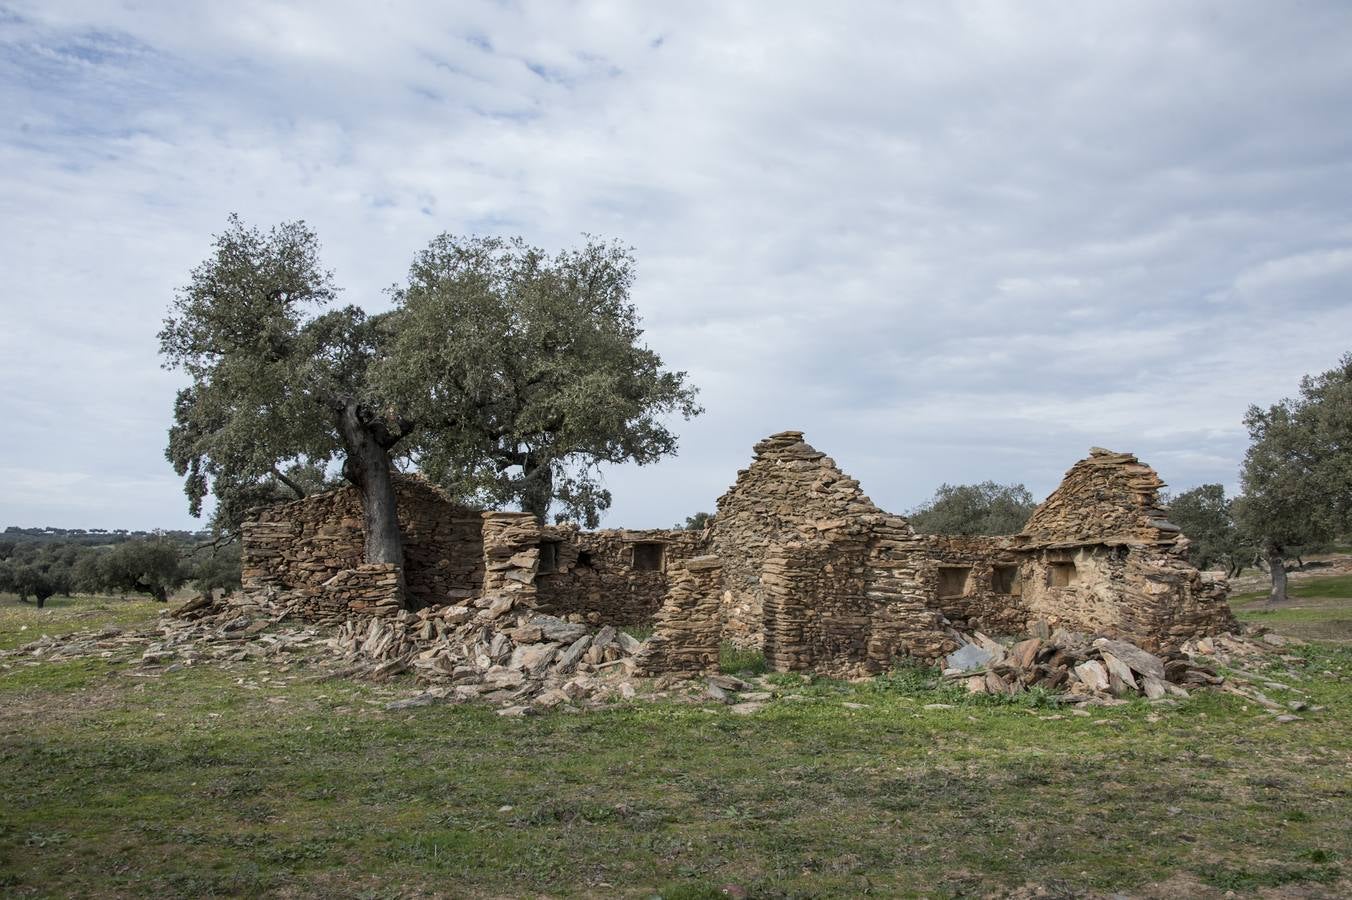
(732, 661)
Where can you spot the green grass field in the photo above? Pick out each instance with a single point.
(1319, 609)
(249, 780)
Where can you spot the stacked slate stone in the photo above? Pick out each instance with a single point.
(791, 492)
(815, 572)
(594, 572)
(1107, 498)
(1079, 666)
(511, 544)
(306, 544)
(498, 649)
(1107, 510)
(687, 635)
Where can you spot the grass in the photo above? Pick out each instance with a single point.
(21, 623)
(1319, 609)
(735, 661)
(1336, 586)
(249, 780)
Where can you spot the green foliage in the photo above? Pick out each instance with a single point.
(985, 508)
(698, 522)
(154, 565)
(733, 660)
(540, 362)
(215, 567)
(1206, 516)
(506, 374)
(259, 362)
(1297, 473)
(143, 567)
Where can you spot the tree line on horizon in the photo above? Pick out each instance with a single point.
(154, 565)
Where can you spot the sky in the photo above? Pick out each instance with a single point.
(950, 242)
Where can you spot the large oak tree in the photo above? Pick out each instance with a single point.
(506, 373)
(1297, 474)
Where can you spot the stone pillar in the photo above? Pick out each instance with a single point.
(689, 626)
(511, 555)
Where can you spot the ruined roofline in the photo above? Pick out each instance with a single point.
(1108, 498)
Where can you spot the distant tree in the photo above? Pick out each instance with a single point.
(540, 358)
(494, 359)
(86, 575)
(698, 522)
(1206, 516)
(985, 508)
(144, 567)
(30, 581)
(1297, 473)
(215, 567)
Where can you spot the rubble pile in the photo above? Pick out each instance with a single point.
(1083, 668)
(497, 649)
(1080, 666)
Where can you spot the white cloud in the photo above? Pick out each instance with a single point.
(952, 242)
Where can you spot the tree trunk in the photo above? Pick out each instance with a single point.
(367, 467)
(1277, 566)
(537, 490)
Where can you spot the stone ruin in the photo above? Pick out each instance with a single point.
(797, 562)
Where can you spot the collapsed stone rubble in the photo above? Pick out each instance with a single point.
(497, 649)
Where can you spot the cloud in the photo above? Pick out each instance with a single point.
(951, 241)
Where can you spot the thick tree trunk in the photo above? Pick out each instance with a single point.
(537, 489)
(1277, 566)
(368, 467)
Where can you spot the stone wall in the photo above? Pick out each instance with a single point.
(601, 575)
(1099, 555)
(851, 601)
(687, 631)
(975, 581)
(302, 546)
(1106, 498)
(790, 492)
(511, 542)
(821, 578)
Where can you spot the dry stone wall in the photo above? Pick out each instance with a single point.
(975, 581)
(511, 542)
(790, 492)
(601, 575)
(687, 634)
(314, 548)
(1107, 498)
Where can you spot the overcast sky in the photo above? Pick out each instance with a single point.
(950, 243)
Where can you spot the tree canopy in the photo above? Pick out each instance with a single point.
(504, 373)
(1297, 473)
(538, 360)
(1206, 516)
(985, 508)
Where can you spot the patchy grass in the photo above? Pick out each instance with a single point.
(1319, 609)
(24, 622)
(638, 632)
(1334, 586)
(212, 781)
(735, 661)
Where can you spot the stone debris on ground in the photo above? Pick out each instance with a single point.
(1097, 670)
(500, 650)
(497, 649)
